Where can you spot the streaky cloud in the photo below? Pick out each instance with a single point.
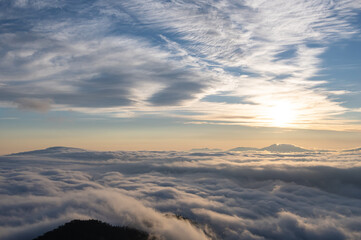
(119, 58)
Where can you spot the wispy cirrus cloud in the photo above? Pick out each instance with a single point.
(160, 56)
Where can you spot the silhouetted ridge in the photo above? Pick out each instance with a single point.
(52, 150)
(280, 148)
(285, 148)
(352, 150)
(93, 230)
(241, 149)
(206, 150)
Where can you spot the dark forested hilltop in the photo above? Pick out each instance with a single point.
(93, 230)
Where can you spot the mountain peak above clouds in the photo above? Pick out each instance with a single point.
(52, 150)
(241, 149)
(353, 150)
(284, 148)
(206, 150)
(281, 148)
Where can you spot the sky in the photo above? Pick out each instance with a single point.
(175, 75)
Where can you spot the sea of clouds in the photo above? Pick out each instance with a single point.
(184, 195)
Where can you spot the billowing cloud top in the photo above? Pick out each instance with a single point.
(234, 62)
(224, 195)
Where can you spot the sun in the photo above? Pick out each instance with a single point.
(282, 114)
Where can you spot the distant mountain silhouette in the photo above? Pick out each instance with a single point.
(76, 154)
(93, 230)
(206, 150)
(284, 148)
(281, 148)
(51, 150)
(353, 150)
(244, 149)
(81, 153)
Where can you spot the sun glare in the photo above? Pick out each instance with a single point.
(282, 114)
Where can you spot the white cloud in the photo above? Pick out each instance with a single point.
(253, 195)
(159, 56)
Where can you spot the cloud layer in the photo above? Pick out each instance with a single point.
(247, 195)
(159, 56)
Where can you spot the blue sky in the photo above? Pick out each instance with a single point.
(279, 65)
